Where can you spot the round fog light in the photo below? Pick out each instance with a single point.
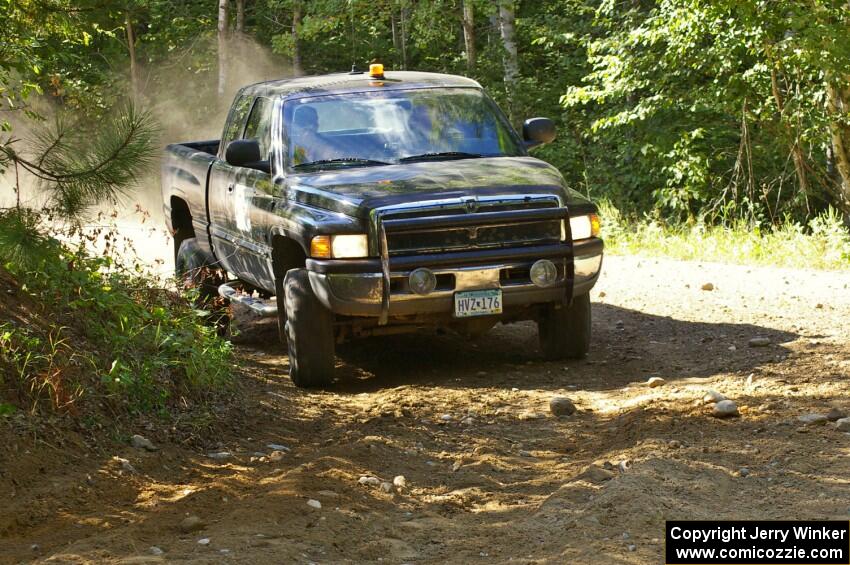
(422, 281)
(543, 273)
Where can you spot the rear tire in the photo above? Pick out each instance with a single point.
(196, 270)
(181, 235)
(565, 332)
(307, 327)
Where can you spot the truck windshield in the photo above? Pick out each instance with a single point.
(388, 127)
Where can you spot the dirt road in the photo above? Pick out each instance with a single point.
(490, 475)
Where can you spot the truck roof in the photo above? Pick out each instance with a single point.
(347, 82)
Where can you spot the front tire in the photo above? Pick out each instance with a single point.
(308, 330)
(565, 332)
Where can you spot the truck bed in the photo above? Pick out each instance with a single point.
(185, 172)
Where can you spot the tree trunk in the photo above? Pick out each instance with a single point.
(296, 50)
(404, 15)
(240, 17)
(797, 153)
(394, 28)
(236, 47)
(131, 47)
(511, 60)
(223, 8)
(469, 34)
(838, 106)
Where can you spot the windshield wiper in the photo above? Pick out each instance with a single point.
(341, 161)
(440, 156)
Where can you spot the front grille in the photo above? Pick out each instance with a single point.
(496, 232)
(475, 237)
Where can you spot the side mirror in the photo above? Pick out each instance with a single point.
(242, 152)
(537, 131)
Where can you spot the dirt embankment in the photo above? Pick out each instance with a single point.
(490, 475)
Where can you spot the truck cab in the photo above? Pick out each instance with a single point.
(361, 204)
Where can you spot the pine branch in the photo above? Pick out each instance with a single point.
(53, 144)
(82, 166)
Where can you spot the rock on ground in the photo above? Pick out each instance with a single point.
(654, 382)
(561, 406)
(813, 419)
(713, 396)
(192, 524)
(759, 341)
(125, 465)
(141, 442)
(725, 409)
(843, 425)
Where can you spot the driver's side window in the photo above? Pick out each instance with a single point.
(259, 126)
(235, 122)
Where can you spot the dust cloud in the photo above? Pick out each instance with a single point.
(186, 105)
(183, 98)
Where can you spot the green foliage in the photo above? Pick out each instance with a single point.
(21, 239)
(37, 38)
(705, 102)
(38, 365)
(111, 334)
(822, 243)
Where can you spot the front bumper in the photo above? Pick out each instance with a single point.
(356, 287)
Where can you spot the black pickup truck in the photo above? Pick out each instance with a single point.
(360, 204)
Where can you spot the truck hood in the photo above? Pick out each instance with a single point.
(355, 192)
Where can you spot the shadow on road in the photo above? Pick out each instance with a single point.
(628, 346)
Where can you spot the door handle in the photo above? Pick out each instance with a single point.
(230, 188)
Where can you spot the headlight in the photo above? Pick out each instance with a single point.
(339, 246)
(583, 227)
(349, 246)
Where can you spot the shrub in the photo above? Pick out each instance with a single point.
(105, 329)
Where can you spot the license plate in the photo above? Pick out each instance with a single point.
(478, 303)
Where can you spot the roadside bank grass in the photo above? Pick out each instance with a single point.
(824, 243)
(86, 334)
